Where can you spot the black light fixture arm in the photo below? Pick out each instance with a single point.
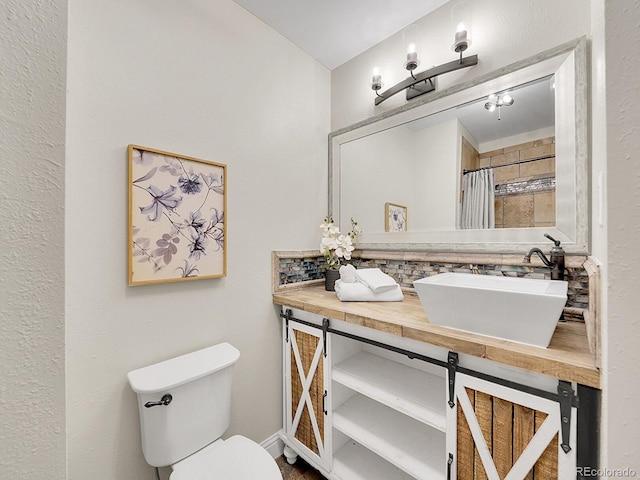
(426, 76)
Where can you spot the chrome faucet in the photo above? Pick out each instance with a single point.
(556, 260)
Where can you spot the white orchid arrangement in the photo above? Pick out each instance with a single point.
(335, 246)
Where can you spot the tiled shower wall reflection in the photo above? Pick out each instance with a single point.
(291, 270)
(525, 192)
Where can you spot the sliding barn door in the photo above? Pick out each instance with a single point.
(306, 392)
(499, 433)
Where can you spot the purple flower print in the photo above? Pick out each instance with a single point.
(195, 221)
(214, 182)
(173, 166)
(161, 200)
(218, 236)
(178, 205)
(190, 184)
(197, 247)
(188, 271)
(142, 159)
(215, 230)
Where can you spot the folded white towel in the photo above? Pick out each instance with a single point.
(376, 279)
(359, 292)
(348, 274)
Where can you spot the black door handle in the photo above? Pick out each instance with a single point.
(165, 400)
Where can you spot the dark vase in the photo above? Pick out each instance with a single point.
(330, 277)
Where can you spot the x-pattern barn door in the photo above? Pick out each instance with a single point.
(305, 414)
(499, 433)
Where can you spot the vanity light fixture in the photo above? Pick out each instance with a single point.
(425, 82)
(498, 100)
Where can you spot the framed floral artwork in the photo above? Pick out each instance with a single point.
(395, 218)
(177, 217)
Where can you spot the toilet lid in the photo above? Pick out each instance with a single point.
(237, 458)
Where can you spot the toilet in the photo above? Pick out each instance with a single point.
(185, 407)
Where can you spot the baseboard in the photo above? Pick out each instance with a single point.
(274, 444)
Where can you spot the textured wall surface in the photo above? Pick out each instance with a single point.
(32, 136)
(179, 76)
(623, 205)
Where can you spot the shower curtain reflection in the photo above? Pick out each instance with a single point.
(478, 189)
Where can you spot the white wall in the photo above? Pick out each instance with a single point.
(504, 31)
(417, 168)
(436, 166)
(205, 79)
(598, 187)
(622, 383)
(32, 119)
(375, 170)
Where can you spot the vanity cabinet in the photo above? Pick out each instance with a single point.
(389, 417)
(366, 405)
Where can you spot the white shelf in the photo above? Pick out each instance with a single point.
(413, 447)
(410, 391)
(354, 462)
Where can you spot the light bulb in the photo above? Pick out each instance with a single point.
(461, 20)
(376, 79)
(409, 37)
(412, 58)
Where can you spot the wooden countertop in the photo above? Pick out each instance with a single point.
(567, 357)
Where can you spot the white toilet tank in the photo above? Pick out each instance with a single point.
(199, 410)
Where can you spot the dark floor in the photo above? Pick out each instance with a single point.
(300, 470)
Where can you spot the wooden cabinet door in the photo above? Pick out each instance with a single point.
(499, 433)
(306, 392)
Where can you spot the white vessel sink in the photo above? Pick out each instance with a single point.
(517, 309)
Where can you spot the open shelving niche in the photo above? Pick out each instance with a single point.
(388, 415)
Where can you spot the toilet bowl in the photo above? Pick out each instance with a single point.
(236, 458)
(185, 407)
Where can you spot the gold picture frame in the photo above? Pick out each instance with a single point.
(395, 217)
(177, 217)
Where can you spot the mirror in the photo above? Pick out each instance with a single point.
(402, 174)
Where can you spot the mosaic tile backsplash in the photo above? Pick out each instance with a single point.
(294, 270)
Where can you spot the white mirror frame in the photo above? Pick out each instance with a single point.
(569, 63)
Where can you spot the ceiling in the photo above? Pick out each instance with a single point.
(335, 31)
(533, 109)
